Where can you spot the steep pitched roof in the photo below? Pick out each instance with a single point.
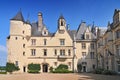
(72, 33)
(18, 17)
(81, 30)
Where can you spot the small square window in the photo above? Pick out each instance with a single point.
(16, 38)
(62, 41)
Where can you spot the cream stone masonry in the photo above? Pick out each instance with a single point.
(89, 46)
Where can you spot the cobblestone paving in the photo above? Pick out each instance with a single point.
(49, 76)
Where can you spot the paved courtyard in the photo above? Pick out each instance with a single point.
(49, 76)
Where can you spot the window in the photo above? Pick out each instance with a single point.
(45, 52)
(55, 52)
(16, 63)
(55, 63)
(23, 32)
(93, 66)
(62, 52)
(44, 32)
(118, 34)
(33, 41)
(33, 52)
(83, 54)
(118, 67)
(24, 53)
(23, 45)
(87, 36)
(92, 46)
(62, 41)
(92, 55)
(118, 50)
(69, 52)
(16, 38)
(69, 64)
(45, 41)
(61, 23)
(83, 46)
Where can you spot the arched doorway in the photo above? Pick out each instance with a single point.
(45, 68)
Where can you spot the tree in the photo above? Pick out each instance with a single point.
(79, 68)
(34, 68)
(10, 67)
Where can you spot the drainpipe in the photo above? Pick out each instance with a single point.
(73, 53)
(96, 53)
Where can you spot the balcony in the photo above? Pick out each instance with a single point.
(62, 56)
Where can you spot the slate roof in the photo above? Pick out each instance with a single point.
(80, 31)
(18, 17)
(72, 33)
(37, 33)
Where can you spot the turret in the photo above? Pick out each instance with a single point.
(61, 22)
(116, 16)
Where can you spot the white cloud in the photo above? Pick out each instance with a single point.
(3, 48)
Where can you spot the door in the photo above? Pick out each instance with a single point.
(84, 68)
(118, 68)
(45, 68)
(24, 69)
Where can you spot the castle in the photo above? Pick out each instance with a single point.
(91, 47)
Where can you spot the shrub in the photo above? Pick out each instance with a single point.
(51, 69)
(62, 71)
(79, 68)
(3, 72)
(62, 66)
(109, 72)
(33, 68)
(98, 71)
(10, 67)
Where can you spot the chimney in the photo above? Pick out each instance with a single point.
(40, 21)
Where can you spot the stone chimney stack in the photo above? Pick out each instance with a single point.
(40, 21)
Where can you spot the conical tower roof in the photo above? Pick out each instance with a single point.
(18, 17)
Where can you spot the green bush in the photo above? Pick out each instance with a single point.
(3, 72)
(62, 66)
(79, 68)
(33, 68)
(33, 71)
(10, 67)
(98, 71)
(109, 72)
(51, 69)
(62, 71)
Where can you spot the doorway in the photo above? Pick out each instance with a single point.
(45, 67)
(24, 69)
(84, 68)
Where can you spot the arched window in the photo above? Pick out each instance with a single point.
(61, 23)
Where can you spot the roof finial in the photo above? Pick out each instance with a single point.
(20, 9)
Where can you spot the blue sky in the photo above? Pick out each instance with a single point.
(99, 11)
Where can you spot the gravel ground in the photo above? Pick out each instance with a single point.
(50, 76)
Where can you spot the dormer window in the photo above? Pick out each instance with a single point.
(45, 33)
(87, 36)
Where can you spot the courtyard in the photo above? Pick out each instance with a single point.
(50, 76)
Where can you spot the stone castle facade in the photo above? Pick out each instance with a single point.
(89, 46)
